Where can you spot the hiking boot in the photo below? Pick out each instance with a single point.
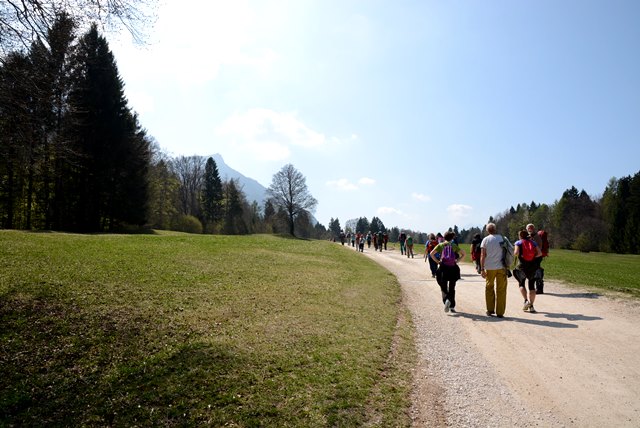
(526, 306)
(447, 305)
(532, 309)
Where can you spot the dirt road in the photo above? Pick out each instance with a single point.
(575, 363)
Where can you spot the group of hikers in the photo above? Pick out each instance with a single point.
(493, 257)
(357, 240)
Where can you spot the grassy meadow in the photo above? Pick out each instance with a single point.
(595, 271)
(189, 330)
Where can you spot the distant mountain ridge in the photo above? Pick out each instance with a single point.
(251, 188)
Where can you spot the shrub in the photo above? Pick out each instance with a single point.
(584, 243)
(188, 224)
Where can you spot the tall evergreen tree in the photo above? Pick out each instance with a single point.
(334, 227)
(112, 152)
(212, 193)
(363, 225)
(14, 131)
(376, 225)
(56, 60)
(233, 209)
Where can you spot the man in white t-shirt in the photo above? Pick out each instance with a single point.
(494, 272)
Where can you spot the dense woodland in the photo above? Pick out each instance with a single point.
(74, 157)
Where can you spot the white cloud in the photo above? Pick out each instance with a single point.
(259, 125)
(421, 197)
(193, 39)
(268, 135)
(459, 211)
(342, 184)
(366, 181)
(389, 210)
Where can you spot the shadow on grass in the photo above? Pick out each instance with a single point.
(62, 366)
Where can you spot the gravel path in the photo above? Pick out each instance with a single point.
(574, 363)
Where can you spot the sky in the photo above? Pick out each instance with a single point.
(426, 114)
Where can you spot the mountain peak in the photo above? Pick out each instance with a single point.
(251, 188)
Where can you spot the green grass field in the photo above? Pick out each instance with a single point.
(184, 330)
(595, 271)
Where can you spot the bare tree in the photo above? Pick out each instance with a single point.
(289, 192)
(190, 173)
(24, 21)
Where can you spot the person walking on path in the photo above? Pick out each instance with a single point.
(475, 251)
(429, 246)
(535, 236)
(402, 238)
(526, 250)
(448, 272)
(409, 246)
(494, 272)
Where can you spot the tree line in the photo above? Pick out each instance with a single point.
(74, 157)
(187, 194)
(577, 221)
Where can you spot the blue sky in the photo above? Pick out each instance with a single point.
(427, 114)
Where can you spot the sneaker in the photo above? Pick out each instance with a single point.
(447, 305)
(500, 316)
(532, 309)
(452, 310)
(526, 306)
(490, 314)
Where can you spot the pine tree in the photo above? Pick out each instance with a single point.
(212, 193)
(233, 209)
(112, 152)
(14, 129)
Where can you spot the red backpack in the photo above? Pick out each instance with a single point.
(545, 243)
(527, 250)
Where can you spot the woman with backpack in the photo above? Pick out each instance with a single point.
(429, 246)
(448, 272)
(527, 251)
